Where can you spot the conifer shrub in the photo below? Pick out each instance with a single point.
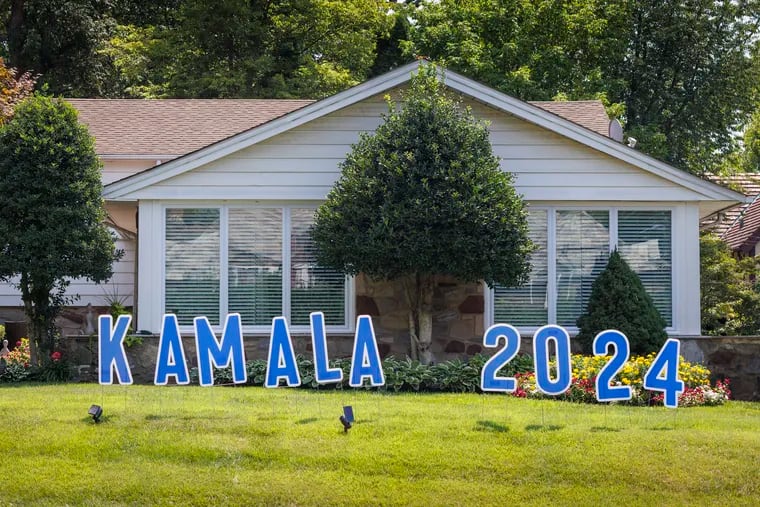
(619, 301)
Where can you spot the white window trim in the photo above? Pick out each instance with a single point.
(551, 244)
(350, 286)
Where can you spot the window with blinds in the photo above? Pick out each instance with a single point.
(581, 241)
(644, 241)
(267, 262)
(192, 253)
(528, 305)
(254, 264)
(583, 249)
(312, 287)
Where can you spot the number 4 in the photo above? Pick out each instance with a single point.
(663, 374)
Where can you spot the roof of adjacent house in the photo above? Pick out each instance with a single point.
(744, 232)
(733, 224)
(174, 127)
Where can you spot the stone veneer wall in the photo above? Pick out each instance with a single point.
(734, 357)
(457, 317)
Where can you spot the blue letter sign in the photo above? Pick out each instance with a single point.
(111, 349)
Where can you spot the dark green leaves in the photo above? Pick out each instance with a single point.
(425, 195)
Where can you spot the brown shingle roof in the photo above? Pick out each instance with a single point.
(746, 183)
(586, 113)
(744, 233)
(173, 126)
(179, 126)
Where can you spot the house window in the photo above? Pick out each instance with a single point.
(583, 248)
(192, 281)
(573, 249)
(644, 241)
(528, 305)
(255, 261)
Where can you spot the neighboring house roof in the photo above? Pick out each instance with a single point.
(711, 197)
(720, 223)
(744, 232)
(173, 127)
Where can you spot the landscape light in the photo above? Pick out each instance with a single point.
(95, 411)
(346, 424)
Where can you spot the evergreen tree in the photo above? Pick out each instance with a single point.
(620, 301)
(51, 219)
(425, 196)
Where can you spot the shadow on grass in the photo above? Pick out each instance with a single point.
(490, 426)
(602, 429)
(543, 427)
(307, 420)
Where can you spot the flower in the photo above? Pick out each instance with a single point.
(55, 356)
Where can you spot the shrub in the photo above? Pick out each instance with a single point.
(619, 301)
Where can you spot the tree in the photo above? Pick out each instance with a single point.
(51, 220)
(690, 74)
(619, 301)
(729, 296)
(424, 196)
(61, 40)
(14, 87)
(531, 50)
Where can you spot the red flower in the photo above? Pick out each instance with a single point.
(18, 343)
(55, 356)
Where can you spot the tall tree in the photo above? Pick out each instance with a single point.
(532, 50)
(690, 75)
(424, 196)
(262, 48)
(51, 220)
(61, 41)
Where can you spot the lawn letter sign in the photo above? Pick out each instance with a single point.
(366, 366)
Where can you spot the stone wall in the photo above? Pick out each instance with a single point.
(457, 317)
(734, 357)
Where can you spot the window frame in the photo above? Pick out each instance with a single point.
(551, 245)
(349, 323)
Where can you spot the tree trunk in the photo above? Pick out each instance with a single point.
(15, 36)
(419, 291)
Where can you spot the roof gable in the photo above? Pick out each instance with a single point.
(703, 190)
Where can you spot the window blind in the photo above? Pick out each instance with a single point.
(255, 264)
(644, 241)
(528, 305)
(192, 285)
(312, 287)
(583, 249)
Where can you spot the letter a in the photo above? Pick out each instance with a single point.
(171, 361)
(281, 361)
(365, 361)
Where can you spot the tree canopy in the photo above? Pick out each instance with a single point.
(681, 76)
(51, 220)
(424, 196)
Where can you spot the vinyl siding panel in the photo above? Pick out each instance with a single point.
(303, 163)
(121, 284)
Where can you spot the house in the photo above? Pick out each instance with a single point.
(738, 226)
(214, 200)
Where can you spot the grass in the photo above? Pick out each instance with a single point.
(252, 446)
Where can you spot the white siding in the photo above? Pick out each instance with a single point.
(121, 284)
(117, 169)
(303, 163)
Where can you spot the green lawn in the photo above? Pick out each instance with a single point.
(251, 446)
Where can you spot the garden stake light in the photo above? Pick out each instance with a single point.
(95, 411)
